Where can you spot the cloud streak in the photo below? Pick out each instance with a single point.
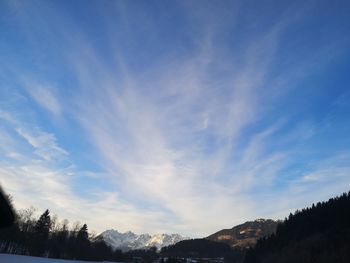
(190, 131)
(152, 130)
(45, 97)
(46, 183)
(44, 144)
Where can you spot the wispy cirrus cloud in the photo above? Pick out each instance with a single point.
(45, 96)
(44, 143)
(47, 182)
(192, 129)
(153, 130)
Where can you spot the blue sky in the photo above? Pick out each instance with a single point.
(174, 116)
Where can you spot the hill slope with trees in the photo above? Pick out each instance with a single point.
(246, 234)
(320, 234)
(196, 248)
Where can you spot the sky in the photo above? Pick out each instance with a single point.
(173, 116)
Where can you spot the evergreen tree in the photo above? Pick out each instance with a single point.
(41, 233)
(7, 216)
(43, 225)
(320, 234)
(28, 236)
(83, 243)
(83, 234)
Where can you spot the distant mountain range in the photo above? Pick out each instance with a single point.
(231, 243)
(245, 235)
(131, 241)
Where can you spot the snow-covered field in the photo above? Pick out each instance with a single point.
(6, 258)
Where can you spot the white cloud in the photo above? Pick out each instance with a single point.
(45, 96)
(175, 138)
(325, 179)
(152, 131)
(171, 137)
(44, 143)
(47, 183)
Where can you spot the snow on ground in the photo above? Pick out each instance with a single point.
(7, 258)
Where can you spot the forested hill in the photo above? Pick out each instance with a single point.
(319, 234)
(197, 248)
(246, 234)
(228, 243)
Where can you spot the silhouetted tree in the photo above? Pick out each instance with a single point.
(7, 216)
(46, 237)
(83, 243)
(41, 234)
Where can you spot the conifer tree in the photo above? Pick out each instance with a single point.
(83, 234)
(43, 225)
(83, 243)
(41, 233)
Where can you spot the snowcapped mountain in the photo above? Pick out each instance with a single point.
(129, 240)
(163, 240)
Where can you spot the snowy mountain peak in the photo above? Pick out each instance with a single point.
(129, 240)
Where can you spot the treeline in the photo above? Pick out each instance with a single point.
(202, 248)
(46, 237)
(320, 234)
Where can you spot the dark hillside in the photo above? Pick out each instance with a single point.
(320, 233)
(197, 248)
(247, 234)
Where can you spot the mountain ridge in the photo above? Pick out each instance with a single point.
(247, 234)
(130, 241)
(241, 236)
